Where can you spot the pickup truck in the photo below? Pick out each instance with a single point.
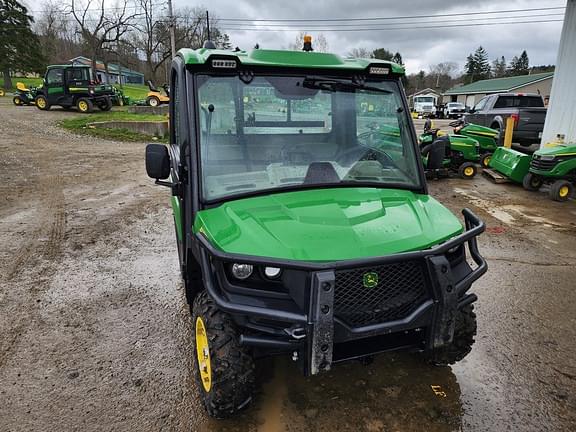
(527, 110)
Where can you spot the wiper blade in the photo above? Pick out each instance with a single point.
(332, 85)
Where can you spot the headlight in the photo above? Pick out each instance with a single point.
(272, 272)
(242, 271)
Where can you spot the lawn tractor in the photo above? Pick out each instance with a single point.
(444, 155)
(73, 86)
(555, 166)
(487, 138)
(307, 233)
(157, 96)
(24, 95)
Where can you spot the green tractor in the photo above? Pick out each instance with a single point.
(488, 138)
(443, 155)
(555, 166)
(73, 86)
(307, 233)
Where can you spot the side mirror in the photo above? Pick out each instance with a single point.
(157, 161)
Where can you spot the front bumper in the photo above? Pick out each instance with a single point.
(320, 328)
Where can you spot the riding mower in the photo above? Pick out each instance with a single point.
(443, 155)
(157, 96)
(24, 95)
(486, 137)
(555, 166)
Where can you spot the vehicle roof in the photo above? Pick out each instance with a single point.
(516, 94)
(286, 58)
(68, 66)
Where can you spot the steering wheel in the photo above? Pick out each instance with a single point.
(366, 152)
(456, 123)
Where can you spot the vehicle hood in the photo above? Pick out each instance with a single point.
(474, 129)
(328, 224)
(557, 150)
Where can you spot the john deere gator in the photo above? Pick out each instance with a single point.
(304, 226)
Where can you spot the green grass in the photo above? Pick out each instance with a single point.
(79, 124)
(135, 91)
(28, 82)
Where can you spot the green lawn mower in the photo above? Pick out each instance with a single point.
(555, 166)
(488, 138)
(444, 155)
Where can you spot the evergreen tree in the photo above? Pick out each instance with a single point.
(19, 46)
(519, 65)
(397, 58)
(482, 64)
(382, 54)
(470, 69)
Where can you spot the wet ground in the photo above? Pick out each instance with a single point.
(94, 329)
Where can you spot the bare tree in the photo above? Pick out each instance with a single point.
(360, 53)
(99, 27)
(149, 37)
(58, 39)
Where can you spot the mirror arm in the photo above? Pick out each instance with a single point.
(165, 183)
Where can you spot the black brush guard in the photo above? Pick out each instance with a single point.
(313, 331)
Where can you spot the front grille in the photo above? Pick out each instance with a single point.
(543, 165)
(400, 289)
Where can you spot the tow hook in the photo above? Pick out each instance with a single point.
(296, 333)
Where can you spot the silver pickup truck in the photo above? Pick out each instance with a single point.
(528, 111)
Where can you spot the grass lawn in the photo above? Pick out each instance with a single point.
(79, 123)
(135, 91)
(28, 82)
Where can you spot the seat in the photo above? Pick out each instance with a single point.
(22, 87)
(321, 172)
(435, 152)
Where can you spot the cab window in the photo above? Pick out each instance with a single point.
(54, 77)
(480, 105)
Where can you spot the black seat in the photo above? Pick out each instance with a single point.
(436, 153)
(321, 172)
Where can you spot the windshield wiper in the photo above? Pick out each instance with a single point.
(332, 85)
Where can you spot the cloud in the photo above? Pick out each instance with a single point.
(419, 47)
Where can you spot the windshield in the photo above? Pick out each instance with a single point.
(280, 132)
(455, 105)
(424, 99)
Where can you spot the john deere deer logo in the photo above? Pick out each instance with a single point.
(370, 279)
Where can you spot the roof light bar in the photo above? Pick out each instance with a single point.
(375, 70)
(223, 64)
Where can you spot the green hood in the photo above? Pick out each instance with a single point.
(557, 150)
(328, 224)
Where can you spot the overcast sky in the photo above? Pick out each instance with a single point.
(419, 48)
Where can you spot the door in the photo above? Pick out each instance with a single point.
(77, 78)
(54, 84)
(477, 116)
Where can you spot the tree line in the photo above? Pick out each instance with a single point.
(478, 66)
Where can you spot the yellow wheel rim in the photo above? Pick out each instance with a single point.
(563, 192)
(487, 161)
(203, 354)
(468, 171)
(16, 101)
(41, 102)
(83, 106)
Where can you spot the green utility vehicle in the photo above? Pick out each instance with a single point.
(555, 166)
(73, 86)
(307, 232)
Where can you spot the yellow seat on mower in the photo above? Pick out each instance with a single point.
(22, 87)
